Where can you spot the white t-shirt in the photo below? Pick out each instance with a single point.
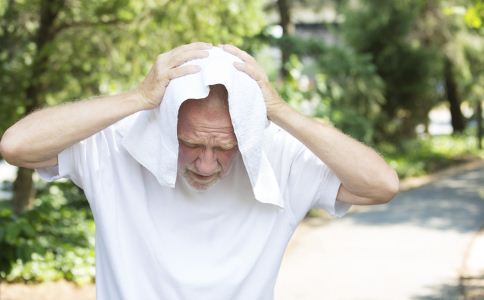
(155, 242)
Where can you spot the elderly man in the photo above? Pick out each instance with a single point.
(220, 232)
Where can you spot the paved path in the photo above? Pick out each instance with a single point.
(414, 248)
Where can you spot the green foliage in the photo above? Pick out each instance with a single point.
(90, 47)
(464, 46)
(336, 84)
(53, 240)
(475, 14)
(410, 69)
(352, 90)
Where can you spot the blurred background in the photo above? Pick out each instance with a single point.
(404, 77)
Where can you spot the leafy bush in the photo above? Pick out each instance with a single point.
(410, 66)
(335, 83)
(52, 240)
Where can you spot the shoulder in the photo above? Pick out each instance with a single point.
(122, 126)
(276, 139)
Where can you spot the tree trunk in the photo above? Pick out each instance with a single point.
(284, 9)
(457, 119)
(23, 191)
(479, 124)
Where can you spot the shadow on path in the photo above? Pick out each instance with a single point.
(465, 289)
(453, 203)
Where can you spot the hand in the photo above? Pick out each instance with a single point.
(272, 99)
(166, 68)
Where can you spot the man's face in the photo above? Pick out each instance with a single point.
(207, 143)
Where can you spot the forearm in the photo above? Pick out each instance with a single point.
(44, 133)
(361, 170)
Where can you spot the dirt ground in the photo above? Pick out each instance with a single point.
(47, 291)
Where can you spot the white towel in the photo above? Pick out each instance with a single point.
(152, 138)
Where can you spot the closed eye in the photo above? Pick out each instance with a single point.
(188, 144)
(225, 147)
(228, 147)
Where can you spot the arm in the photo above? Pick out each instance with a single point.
(365, 176)
(36, 140)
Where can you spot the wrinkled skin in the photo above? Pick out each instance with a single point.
(207, 143)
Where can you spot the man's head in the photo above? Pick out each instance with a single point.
(207, 143)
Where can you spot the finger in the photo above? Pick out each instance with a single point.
(250, 70)
(182, 71)
(186, 56)
(167, 56)
(192, 46)
(244, 56)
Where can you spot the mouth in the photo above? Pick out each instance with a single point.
(202, 178)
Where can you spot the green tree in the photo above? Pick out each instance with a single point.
(409, 70)
(474, 17)
(53, 50)
(461, 42)
(342, 86)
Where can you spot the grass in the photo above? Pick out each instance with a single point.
(426, 155)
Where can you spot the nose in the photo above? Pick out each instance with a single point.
(207, 163)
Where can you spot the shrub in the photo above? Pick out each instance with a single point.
(52, 240)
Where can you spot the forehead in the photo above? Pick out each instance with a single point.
(198, 120)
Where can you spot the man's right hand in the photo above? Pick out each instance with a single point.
(166, 68)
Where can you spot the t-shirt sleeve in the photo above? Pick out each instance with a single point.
(314, 185)
(63, 169)
(80, 162)
(310, 182)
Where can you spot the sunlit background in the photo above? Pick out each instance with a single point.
(405, 77)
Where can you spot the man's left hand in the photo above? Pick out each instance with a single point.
(249, 66)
